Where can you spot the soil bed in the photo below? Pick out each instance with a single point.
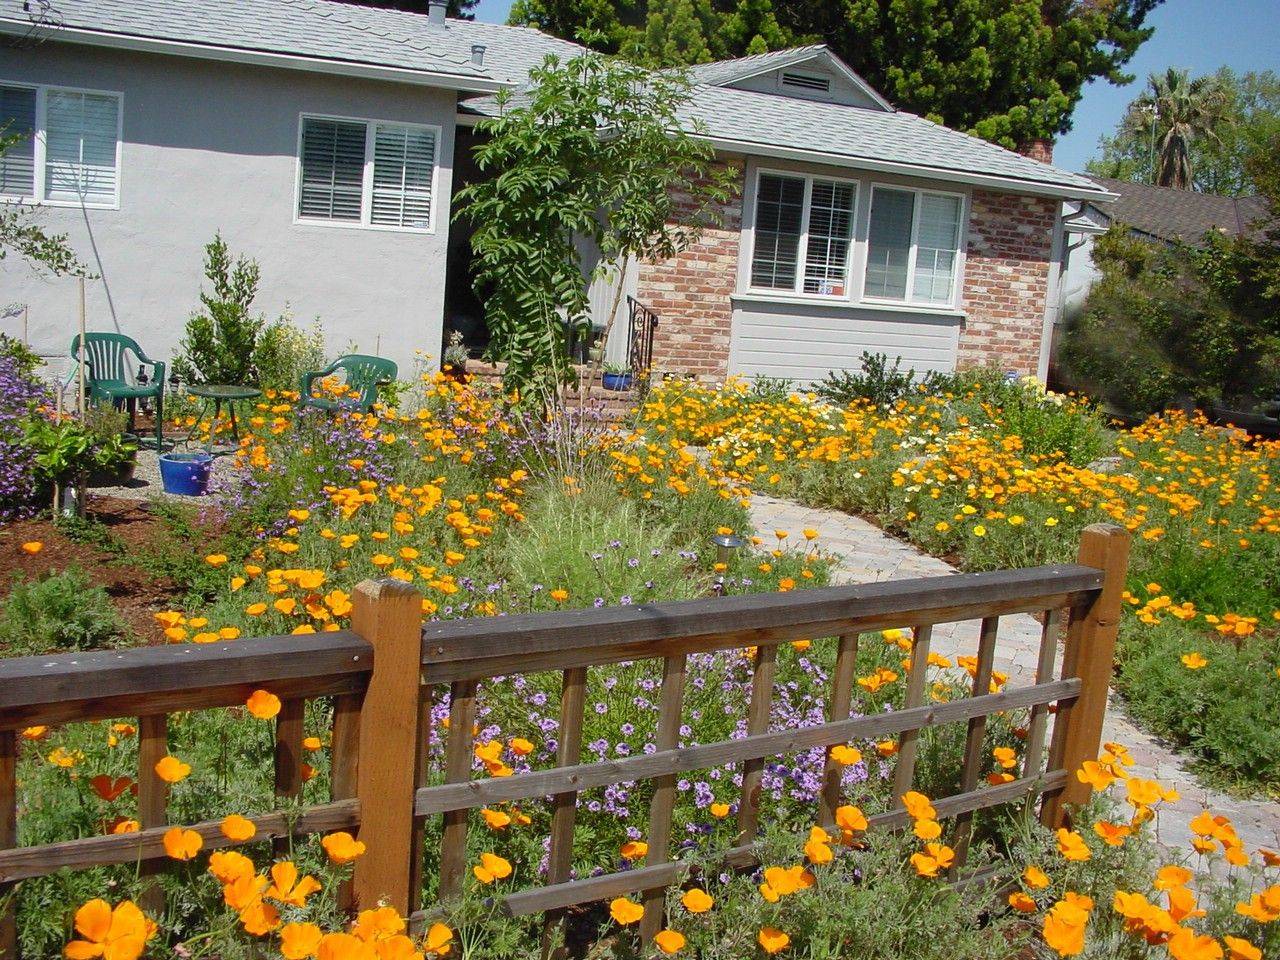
(131, 528)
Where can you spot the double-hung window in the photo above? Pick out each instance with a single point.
(803, 234)
(63, 145)
(913, 246)
(367, 173)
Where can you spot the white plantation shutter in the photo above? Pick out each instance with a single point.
(332, 169)
(830, 230)
(80, 146)
(404, 161)
(937, 244)
(18, 120)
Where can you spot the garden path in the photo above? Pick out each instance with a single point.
(867, 555)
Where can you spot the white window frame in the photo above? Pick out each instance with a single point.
(366, 187)
(956, 275)
(802, 260)
(40, 153)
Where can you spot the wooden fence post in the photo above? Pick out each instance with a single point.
(1090, 655)
(8, 838)
(388, 615)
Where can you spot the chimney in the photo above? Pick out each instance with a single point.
(436, 10)
(1039, 149)
(477, 54)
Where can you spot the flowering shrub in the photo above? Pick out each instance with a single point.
(20, 394)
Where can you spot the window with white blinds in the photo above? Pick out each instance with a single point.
(803, 233)
(18, 129)
(80, 146)
(65, 145)
(367, 173)
(913, 246)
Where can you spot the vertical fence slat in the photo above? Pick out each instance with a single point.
(762, 677)
(1089, 654)
(8, 838)
(153, 796)
(388, 615)
(664, 792)
(344, 762)
(904, 772)
(573, 694)
(422, 766)
(457, 769)
(838, 709)
(288, 759)
(1037, 727)
(975, 737)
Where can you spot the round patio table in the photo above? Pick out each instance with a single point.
(215, 395)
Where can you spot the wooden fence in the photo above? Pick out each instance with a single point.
(385, 673)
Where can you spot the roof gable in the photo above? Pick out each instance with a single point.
(766, 73)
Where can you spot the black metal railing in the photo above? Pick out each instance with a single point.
(641, 325)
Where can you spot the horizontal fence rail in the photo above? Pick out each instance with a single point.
(386, 673)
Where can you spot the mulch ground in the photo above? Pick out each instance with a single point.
(135, 593)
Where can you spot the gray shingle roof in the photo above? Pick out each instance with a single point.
(858, 134)
(1169, 214)
(310, 28)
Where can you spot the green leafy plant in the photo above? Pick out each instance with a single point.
(27, 361)
(284, 352)
(64, 448)
(595, 150)
(64, 611)
(20, 234)
(220, 339)
(112, 447)
(879, 382)
(455, 351)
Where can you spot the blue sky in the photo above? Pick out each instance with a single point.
(1200, 35)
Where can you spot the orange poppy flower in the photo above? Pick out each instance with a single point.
(109, 788)
(342, 847)
(263, 704)
(669, 941)
(491, 868)
(171, 769)
(624, 911)
(238, 828)
(182, 844)
(772, 940)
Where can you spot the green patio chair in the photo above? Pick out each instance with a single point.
(107, 367)
(363, 373)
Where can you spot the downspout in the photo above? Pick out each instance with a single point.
(1053, 296)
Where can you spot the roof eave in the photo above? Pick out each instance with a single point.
(995, 181)
(265, 58)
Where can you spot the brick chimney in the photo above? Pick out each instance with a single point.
(1039, 149)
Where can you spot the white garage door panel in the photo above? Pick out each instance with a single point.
(806, 342)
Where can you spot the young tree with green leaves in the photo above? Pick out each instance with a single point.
(220, 339)
(1010, 71)
(595, 151)
(23, 237)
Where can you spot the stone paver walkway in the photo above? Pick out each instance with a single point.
(868, 555)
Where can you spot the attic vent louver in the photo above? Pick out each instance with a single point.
(807, 81)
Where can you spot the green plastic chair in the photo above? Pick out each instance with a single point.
(107, 374)
(363, 373)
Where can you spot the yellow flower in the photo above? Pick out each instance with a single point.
(171, 769)
(625, 912)
(181, 844)
(1194, 661)
(492, 867)
(669, 941)
(696, 900)
(559, 595)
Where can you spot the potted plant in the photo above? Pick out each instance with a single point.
(455, 358)
(115, 452)
(617, 376)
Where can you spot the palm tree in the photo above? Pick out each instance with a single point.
(1181, 110)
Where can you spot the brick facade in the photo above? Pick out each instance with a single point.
(1006, 280)
(691, 293)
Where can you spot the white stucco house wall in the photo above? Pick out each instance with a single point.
(326, 141)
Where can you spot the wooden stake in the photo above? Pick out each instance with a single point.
(80, 376)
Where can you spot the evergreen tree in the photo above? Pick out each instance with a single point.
(1007, 70)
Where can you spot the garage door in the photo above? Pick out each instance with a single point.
(804, 342)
